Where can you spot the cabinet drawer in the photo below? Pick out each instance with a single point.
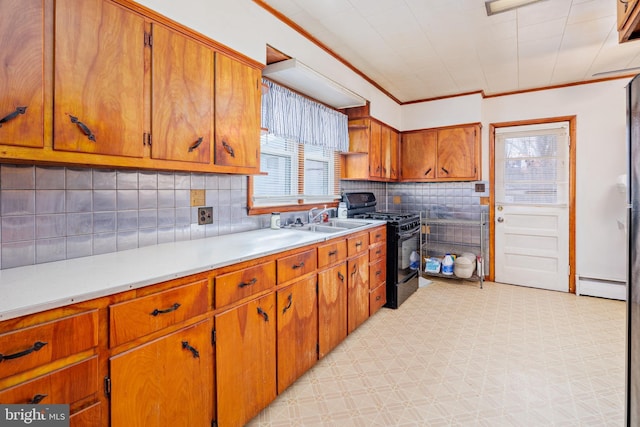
(378, 251)
(232, 287)
(66, 385)
(377, 298)
(296, 265)
(90, 416)
(141, 316)
(331, 253)
(377, 273)
(357, 244)
(37, 345)
(378, 235)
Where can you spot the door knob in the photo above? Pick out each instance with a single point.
(500, 219)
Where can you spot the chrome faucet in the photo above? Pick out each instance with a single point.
(315, 218)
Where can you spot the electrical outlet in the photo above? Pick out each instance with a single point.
(205, 215)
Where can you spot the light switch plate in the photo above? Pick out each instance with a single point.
(197, 198)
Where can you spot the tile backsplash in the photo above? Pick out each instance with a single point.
(55, 213)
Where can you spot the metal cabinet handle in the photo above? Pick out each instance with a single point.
(157, 311)
(288, 306)
(332, 253)
(13, 115)
(249, 283)
(37, 399)
(445, 171)
(262, 313)
(36, 346)
(194, 351)
(626, 4)
(297, 266)
(500, 219)
(196, 144)
(378, 298)
(340, 276)
(228, 149)
(428, 170)
(84, 128)
(358, 244)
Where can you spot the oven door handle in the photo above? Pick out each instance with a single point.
(408, 233)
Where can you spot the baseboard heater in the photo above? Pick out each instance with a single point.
(603, 288)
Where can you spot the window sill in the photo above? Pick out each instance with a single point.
(261, 210)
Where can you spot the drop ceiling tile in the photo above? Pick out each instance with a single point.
(543, 11)
(544, 29)
(590, 10)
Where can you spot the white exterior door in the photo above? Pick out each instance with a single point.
(532, 209)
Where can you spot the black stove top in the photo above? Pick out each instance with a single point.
(386, 216)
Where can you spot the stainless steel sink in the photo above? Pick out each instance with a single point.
(333, 226)
(345, 224)
(317, 228)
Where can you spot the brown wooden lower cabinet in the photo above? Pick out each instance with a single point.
(297, 337)
(166, 382)
(117, 364)
(332, 308)
(358, 291)
(245, 360)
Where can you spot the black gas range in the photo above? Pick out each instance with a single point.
(403, 238)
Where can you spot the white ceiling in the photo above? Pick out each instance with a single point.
(421, 49)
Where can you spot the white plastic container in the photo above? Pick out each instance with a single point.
(447, 265)
(342, 210)
(464, 265)
(414, 260)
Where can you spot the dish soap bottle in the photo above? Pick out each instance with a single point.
(447, 265)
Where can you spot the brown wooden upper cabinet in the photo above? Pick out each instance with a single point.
(441, 154)
(182, 94)
(373, 151)
(99, 79)
(22, 82)
(628, 20)
(238, 91)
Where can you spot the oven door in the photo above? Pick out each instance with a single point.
(407, 243)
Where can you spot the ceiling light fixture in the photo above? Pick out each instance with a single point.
(499, 6)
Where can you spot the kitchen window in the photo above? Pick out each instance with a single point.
(299, 152)
(295, 173)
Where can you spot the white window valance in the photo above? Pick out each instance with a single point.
(289, 115)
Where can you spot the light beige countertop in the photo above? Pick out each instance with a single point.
(40, 287)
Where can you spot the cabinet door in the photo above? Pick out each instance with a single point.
(375, 151)
(358, 291)
(624, 10)
(99, 78)
(237, 113)
(332, 308)
(356, 162)
(168, 381)
(457, 153)
(182, 93)
(390, 153)
(21, 71)
(297, 336)
(418, 155)
(246, 360)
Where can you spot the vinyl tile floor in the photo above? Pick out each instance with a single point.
(457, 355)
